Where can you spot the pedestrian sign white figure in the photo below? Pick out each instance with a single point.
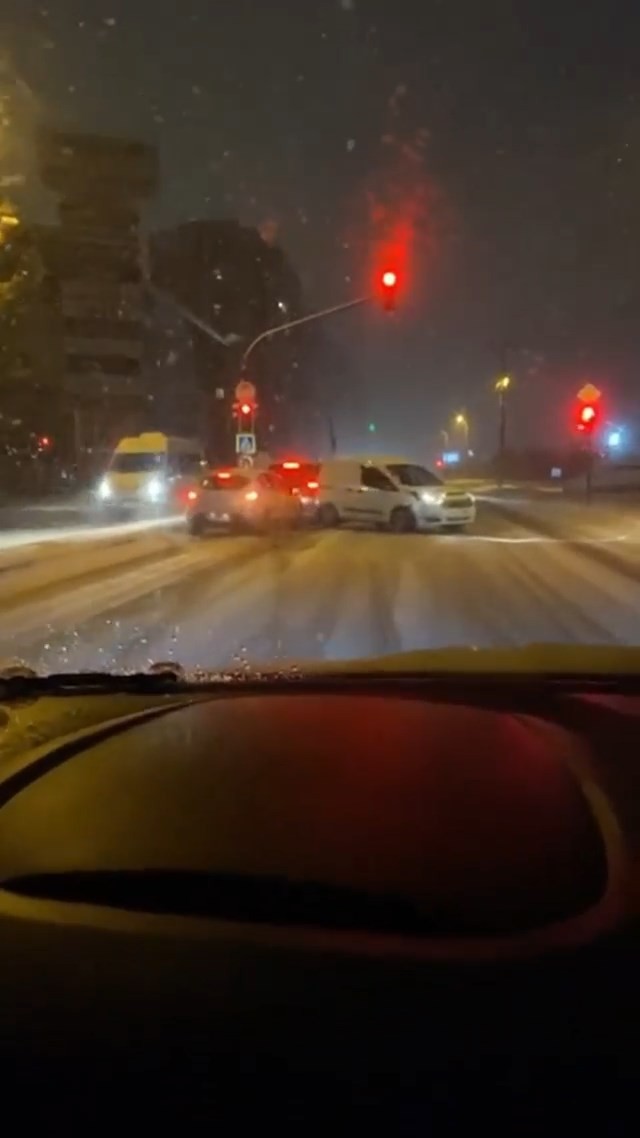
(246, 444)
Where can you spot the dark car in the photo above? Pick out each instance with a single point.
(302, 479)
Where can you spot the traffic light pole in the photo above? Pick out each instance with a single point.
(228, 341)
(333, 442)
(502, 435)
(589, 473)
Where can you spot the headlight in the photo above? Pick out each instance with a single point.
(154, 489)
(433, 498)
(104, 490)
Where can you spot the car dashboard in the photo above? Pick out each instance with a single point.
(416, 893)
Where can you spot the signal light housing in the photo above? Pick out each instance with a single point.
(244, 409)
(389, 283)
(587, 418)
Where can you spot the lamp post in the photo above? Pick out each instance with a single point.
(502, 386)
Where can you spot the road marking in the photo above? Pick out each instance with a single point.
(535, 540)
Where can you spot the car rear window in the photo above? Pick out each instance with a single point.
(224, 481)
(296, 475)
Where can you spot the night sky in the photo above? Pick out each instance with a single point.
(498, 142)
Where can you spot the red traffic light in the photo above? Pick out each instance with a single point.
(244, 408)
(389, 283)
(587, 417)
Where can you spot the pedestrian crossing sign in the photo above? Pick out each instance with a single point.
(246, 444)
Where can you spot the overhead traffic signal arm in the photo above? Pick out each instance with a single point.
(386, 286)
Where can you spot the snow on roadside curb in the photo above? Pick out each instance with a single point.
(571, 521)
(29, 570)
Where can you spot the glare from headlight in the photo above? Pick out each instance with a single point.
(431, 497)
(104, 490)
(154, 489)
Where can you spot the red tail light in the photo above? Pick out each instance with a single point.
(223, 474)
(313, 485)
(192, 495)
(290, 465)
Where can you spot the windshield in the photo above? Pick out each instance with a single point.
(291, 249)
(413, 475)
(137, 463)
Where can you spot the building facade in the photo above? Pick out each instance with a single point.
(94, 256)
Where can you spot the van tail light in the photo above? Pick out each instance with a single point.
(192, 496)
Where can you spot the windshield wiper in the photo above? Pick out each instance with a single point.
(388, 673)
(21, 682)
(161, 679)
(265, 899)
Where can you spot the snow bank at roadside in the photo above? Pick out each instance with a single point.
(51, 557)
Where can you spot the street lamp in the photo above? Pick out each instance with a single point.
(461, 421)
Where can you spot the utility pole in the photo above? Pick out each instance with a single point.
(333, 442)
(502, 386)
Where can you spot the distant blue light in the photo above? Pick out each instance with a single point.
(450, 457)
(614, 439)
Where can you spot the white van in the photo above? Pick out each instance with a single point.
(151, 470)
(389, 493)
